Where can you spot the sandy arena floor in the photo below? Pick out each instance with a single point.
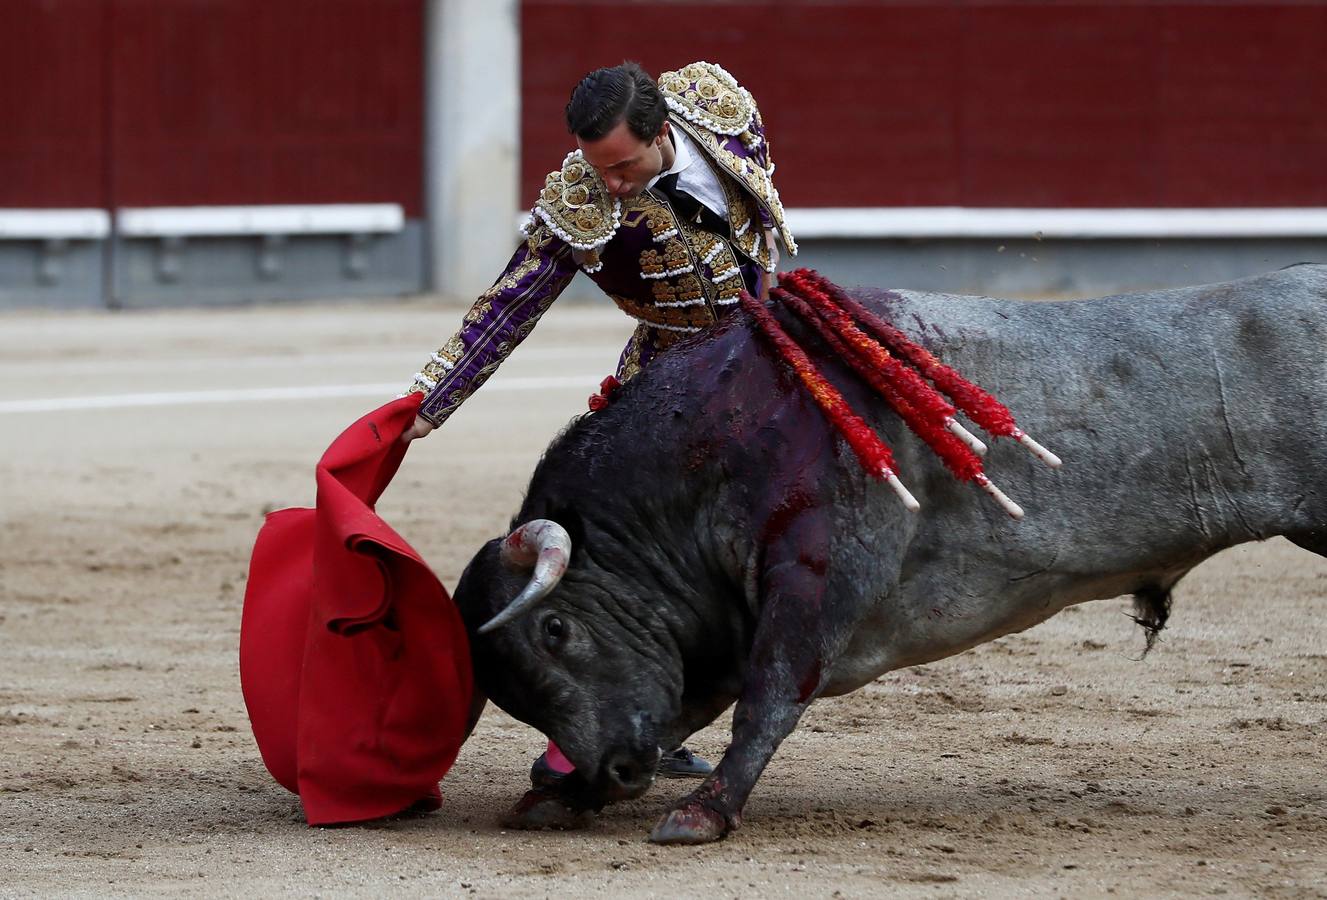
(1047, 763)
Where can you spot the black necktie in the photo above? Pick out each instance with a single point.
(688, 207)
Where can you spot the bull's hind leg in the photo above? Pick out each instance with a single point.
(795, 643)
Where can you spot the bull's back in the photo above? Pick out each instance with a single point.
(1149, 397)
(1148, 355)
(1188, 420)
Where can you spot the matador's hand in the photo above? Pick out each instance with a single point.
(421, 427)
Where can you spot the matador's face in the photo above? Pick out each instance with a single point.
(625, 162)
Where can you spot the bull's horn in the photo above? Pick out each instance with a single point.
(543, 545)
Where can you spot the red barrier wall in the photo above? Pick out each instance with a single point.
(164, 103)
(978, 103)
(960, 102)
(52, 103)
(254, 101)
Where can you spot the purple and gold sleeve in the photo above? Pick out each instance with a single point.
(759, 148)
(501, 318)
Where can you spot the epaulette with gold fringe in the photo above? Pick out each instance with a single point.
(576, 205)
(706, 95)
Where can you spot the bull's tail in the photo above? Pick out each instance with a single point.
(1151, 610)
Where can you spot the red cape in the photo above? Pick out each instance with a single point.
(353, 660)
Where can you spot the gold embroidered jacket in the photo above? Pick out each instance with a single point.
(673, 276)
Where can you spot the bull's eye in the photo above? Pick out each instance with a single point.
(554, 630)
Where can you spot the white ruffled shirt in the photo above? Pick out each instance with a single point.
(694, 175)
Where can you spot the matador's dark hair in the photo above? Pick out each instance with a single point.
(606, 97)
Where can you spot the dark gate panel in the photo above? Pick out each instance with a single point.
(52, 98)
(220, 102)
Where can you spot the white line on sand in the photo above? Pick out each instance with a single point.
(403, 359)
(243, 395)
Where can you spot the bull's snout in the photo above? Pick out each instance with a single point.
(628, 775)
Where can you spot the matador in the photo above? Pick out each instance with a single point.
(668, 205)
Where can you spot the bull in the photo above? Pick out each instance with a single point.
(709, 540)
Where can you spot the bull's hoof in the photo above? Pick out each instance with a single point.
(542, 809)
(691, 824)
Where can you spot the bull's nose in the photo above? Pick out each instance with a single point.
(630, 775)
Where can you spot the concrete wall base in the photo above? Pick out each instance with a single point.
(230, 270)
(36, 274)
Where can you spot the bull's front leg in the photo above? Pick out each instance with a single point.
(795, 642)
